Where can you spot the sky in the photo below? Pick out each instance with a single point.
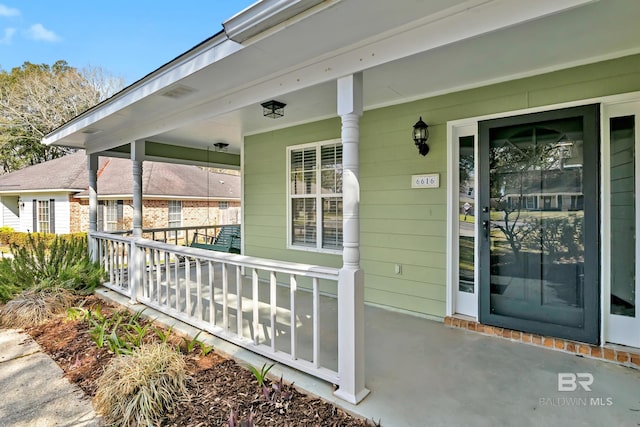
(126, 38)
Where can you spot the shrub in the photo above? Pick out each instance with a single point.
(33, 307)
(8, 289)
(62, 262)
(5, 235)
(137, 389)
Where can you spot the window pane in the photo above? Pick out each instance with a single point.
(175, 213)
(175, 217)
(331, 169)
(466, 200)
(623, 217)
(111, 215)
(303, 171)
(303, 212)
(303, 160)
(332, 223)
(537, 242)
(43, 216)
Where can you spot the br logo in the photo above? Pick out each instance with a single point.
(568, 381)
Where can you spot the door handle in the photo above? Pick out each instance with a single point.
(485, 228)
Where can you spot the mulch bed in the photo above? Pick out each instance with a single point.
(217, 385)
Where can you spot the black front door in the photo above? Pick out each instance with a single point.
(539, 258)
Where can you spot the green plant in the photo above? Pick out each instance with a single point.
(8, 289)
(99, 326)
(163, 335)
(137, 332)
(260, 375)
(137, 389)
(76, 313)
(190, 344)
(44, 262)
(116, 341)
(32, 307)
(5, 234)
(204, 348)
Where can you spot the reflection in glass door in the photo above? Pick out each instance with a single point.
(466, 295)
(539, 231)
(623, 326)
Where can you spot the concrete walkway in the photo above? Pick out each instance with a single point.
(33, 391)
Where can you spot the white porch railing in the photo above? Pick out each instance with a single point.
(273, 308)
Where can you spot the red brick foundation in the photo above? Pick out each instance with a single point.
(626, 357)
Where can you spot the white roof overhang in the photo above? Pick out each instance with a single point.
(294, 51)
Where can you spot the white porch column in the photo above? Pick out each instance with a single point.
(137, 157)
(351, 279)
(92, 166)
(137, 260)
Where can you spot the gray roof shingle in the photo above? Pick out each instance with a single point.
(115, 178)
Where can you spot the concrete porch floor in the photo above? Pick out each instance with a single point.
(422, 373)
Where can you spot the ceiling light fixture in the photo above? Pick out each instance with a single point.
(273, 109)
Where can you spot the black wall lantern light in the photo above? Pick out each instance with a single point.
(420, 136)
(273, 109)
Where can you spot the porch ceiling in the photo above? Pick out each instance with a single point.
(407, 49)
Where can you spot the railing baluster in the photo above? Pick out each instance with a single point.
(187, 285)
(176, 270)
(225, 298)
(112, 275)
(147, 276)
(158, 257)
(273, 310)
(256, 306)
(167, 278)
(239, 300)
(292, 308)
(316, 322)
(120, 263)
(198, 289)
(123, 264)
(212, 294)
(144, 292)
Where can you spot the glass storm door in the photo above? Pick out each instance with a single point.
(539, 231)
(621, 184)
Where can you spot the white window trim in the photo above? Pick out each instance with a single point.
(290, 245)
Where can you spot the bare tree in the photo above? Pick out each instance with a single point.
(36, 99)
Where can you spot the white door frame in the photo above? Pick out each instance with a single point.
(616, 328)
(459, 303)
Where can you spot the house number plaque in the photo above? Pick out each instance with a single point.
(431, 180)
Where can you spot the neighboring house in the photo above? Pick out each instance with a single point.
(513, 85)
(53, 197)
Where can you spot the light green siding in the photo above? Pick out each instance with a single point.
(400, 225)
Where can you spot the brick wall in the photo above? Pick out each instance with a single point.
(156, 213)
(78, 215)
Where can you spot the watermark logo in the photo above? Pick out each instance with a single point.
(568, 381)
(579, 382)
